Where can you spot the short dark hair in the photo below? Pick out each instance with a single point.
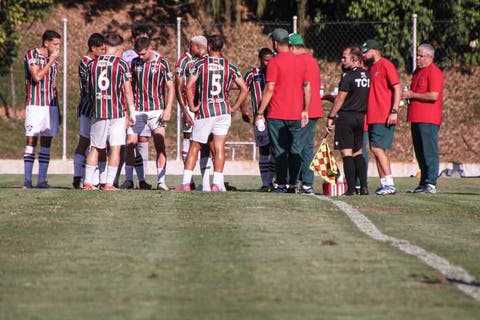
(142, 43)
(141, 29)
(95, 40)
(356, 52)
(113, 39)
(265, 52)
(215, 42)
(49, 35)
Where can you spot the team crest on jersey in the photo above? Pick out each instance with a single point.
(29, 128)
(376, 74)
(33, 61)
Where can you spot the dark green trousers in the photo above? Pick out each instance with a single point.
(308, 135)
(425, 144)
(287, 145)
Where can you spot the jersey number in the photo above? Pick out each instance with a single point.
(216, 85)
(103, 81)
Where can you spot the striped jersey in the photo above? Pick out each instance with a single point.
(106, 76)
(85, 104)
(182, 65)
(149, 79)
(43, 92)
(255, 81)
(215, 76)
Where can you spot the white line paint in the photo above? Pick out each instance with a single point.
(460, 277)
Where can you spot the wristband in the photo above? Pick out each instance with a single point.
(394, 111)
(331, 117)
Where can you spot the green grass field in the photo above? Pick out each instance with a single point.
(67, 254)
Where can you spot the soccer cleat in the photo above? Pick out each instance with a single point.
(292, 189)
(142, 185)
(27, 184)
(89, 187)
(164, 187)
(386, 190)
(43, 185)
(229, 187)
(109, 187)
(431, 188)
(215, 188)
(281, 189)
(418, 189)
(308, 190)
(76, 182)
(127, 184)
(268, 188)
(183, 187)
(364, 191)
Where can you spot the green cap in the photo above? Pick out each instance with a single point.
(371, 44)
(294, 39)
(278, 34)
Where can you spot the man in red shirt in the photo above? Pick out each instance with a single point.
(287, 95)
(297, 47)
(425, 116)
(382, 111)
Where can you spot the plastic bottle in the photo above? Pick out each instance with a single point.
(260, 125)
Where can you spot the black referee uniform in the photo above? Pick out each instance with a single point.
(350, 123)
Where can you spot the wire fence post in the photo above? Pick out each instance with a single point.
(14, 94)
(294, 24)
(414, 41)
(179, 46)
(65, 71)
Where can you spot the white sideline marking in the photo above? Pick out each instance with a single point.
(461, 278)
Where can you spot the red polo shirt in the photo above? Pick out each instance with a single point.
(313, 76)
(288, 72)
(428, 79)
(383, 76)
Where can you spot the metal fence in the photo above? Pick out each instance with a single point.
(326, 39)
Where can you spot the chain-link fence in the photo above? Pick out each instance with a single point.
(326, 39)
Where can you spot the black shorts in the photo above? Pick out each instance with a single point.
(349, 131)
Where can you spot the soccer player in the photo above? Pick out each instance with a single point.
(140, 153)
(151, 74)
(315, 111)
(213, 76)
(382, 111)
(255, 81)
(42, 113)
(197, 50)
(96, 47)
(348, 116)
(109, 88)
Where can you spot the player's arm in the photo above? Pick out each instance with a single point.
(430, 96)
(266, 97)
(243, 93)
(128, 93)
(307, 93)
(179, 83)
(337, 105)
(38, 73)
(397, 95)
(170, 97)
(246, 116)
(192, 80)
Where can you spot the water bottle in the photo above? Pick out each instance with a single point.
(261, 125)
(404, 102)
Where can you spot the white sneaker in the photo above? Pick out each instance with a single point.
(430, 188)
(43, 185)
(162, 186)
(386, 190)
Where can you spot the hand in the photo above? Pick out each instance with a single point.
(246, 117)
(166, 115)
(407, 94)
(304, 120)
(392, 119)
(130, 119)
(54, 54)
(330, 125)
(187, 119)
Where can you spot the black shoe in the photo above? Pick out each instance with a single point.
(292, 190)
(349, 193)
(364, 191)
(308, 190)
(280, 189)
(76, 182)
(419, 189)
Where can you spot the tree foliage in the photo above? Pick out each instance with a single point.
(14, 15)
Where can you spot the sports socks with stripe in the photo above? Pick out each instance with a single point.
(28, 160)
(43, 162)
(79, 165)
(141, 160)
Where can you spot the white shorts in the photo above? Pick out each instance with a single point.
(187, 128)
(146, 122)
(85, 125)
(111, 130)
(217, 125)
(41, 121)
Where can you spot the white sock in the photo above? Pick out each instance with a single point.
(187, 176)
(28, 160)
(43, 162)
(205, 167)
(96, 176)
(389, 180)
(383, 182)
(102, 172)
(90, 173)
(218, 178)
(129, 172)
(79, 165)
(161, 175)
(111, 173)
(142, 151)
(185, 147)
(264, 165)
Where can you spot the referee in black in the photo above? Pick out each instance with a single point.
(348, 116)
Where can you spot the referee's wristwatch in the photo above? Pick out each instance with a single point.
(394, 111)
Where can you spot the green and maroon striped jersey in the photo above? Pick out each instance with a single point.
(107, 74)
(149, 79)
(85, 104)
(255, 81)
(181, 66)
(215, 77)
(43, 92)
